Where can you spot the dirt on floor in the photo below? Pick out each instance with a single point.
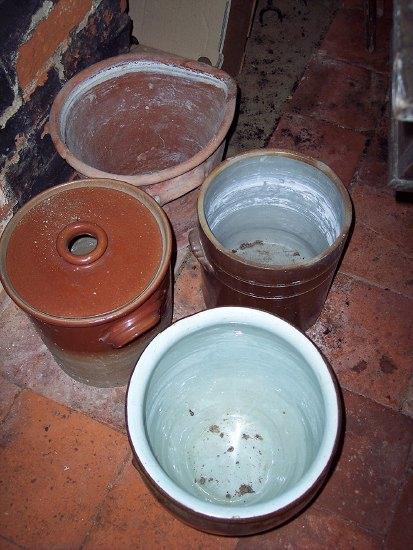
(279, 47)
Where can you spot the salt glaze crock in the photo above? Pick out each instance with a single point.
(234, 419)
(272, 228)
(154, 120)
(90, 263)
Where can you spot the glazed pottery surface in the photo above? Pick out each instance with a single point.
(273, 225)
(233, 416)
(153, 120)
(90, 262)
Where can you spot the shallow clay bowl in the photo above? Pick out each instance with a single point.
(149, 119)
(234, 417)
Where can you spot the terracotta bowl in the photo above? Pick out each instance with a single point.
(234, 417)
(152, 120)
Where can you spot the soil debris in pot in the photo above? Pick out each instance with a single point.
(244, 246)
(244, 489)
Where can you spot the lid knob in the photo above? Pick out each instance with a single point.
(81, 243)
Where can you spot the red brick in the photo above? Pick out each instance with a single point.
(338, 92)
(378, 148)
(365, 333)
(339, 148)
(359, 4)
(49, 34)
(400, 534)
(133, 518)
(188, 297)
(407, 405)
(377, 259)
(353, 4)
(377, 207)
(373, 169)
(374, 173)
(7, 544)
(380, 209)
(365, 484)
(313, 530)
(182, 214)
(346, 40)
(55, 469)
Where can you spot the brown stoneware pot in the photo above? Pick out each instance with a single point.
(90, 263)
(272, 228)
(153, 120)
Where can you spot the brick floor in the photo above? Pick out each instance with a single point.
(337, 92)
(56, 466)
(345, 40)
(130, 514)
(322, 140)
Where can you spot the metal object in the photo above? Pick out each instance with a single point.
(272, 228)
(401, 143)
(270, 7)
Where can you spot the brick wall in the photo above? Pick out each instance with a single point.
(43, 44)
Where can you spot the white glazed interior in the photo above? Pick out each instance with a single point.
(274, 210)
(232, 412)
(161, 126)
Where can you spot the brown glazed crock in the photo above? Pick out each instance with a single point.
(154, 120)
(96, 310)
(296, 292)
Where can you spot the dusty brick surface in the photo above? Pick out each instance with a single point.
(47, 37)
(55, 468)
(37, 59)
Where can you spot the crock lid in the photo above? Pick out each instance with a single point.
(84, 249)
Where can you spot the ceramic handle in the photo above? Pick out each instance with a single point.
(76, 230)
(135, 324)
(198, 250)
